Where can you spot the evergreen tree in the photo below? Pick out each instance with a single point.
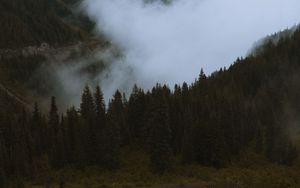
(160, 134)
(87, 106)
(72, 134)
(56, 151)
(100, 107)
(53, 115)
(88, 114)
(36, 130)
(114, 123)
(136, 115)
(99, 126)
(202, 75)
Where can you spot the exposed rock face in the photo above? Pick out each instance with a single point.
(44, 49)
(49, 51)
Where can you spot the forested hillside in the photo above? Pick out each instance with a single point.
(32, 22)
(251, 106)
(37, 35)
(248, 110)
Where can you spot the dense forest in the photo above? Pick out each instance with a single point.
(32, 22)
(250, 108)
(251, 105)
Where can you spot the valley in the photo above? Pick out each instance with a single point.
(237, 126)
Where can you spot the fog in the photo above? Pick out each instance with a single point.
(170, 43)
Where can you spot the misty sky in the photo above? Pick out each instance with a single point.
(169, 44)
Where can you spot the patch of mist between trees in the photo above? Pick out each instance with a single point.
(165, 54)
(102, 68)
(64, 75)
(292, 123)
(170, 42)
(290, 116)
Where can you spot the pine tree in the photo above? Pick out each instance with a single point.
(53, 115)
(160, 134)
(113, 125)
(37, 137)
(87, 106)
(136, 115)
(36, 113)
(202, 75)
(88, 114)
(55, 135)
(72, 135)
(77, 138)
(100, 107)
(99, 127)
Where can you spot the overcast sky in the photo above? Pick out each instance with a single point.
(169, 44)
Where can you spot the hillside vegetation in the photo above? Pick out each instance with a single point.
(238, 127)
(27, 70)
(249, 110)
(32, 22)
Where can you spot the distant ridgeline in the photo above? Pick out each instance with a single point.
(251, 106)
(32, 22)
(272, 40)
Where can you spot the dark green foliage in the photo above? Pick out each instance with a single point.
(136, 115)
(88, 113)
(32, 22)
(114, 123)
(53, 115)
(55, 136)
(87, 106)
(160, 133)
(99, 128)
(100, 107)
(73, 138)
(253, 105)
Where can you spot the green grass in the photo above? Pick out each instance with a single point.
(250, 171)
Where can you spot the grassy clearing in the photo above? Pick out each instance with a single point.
(250, 171)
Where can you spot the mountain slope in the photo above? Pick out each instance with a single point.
(31, 22)
(26, 67)
(251, 107)
(248, 111)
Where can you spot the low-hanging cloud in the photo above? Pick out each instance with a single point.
(170, 43)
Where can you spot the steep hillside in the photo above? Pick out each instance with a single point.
(32, 22)
(37, 35)
(242, 120)
(246, 114)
